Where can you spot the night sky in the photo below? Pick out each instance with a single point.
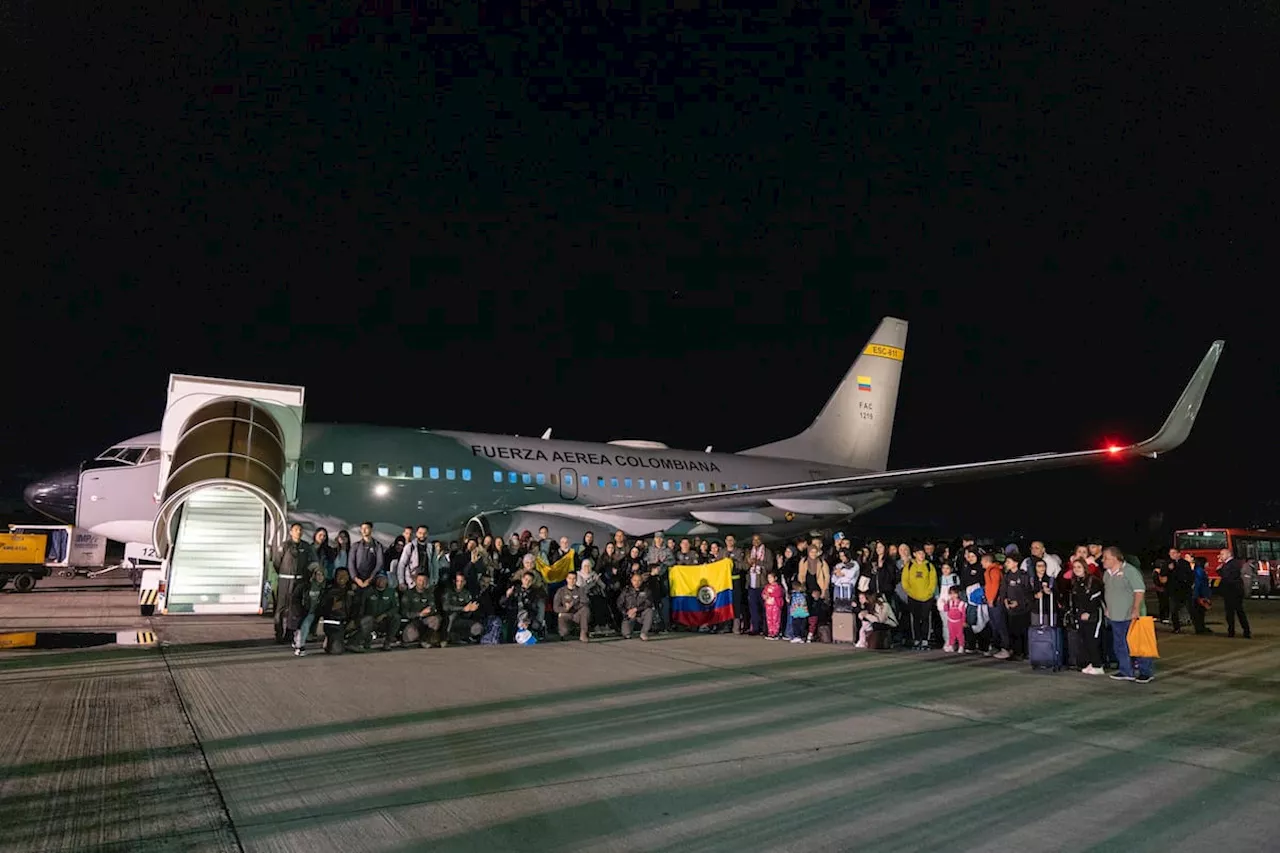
(676, 226)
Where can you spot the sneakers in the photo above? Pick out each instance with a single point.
(1003, 654)
(299, 653)
(644, 637)
(1144, 679)
(859, 645)
(796, 640)
(1121, 677)
(1092, 670)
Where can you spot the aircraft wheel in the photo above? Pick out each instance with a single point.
(4, 581)
(24, 583)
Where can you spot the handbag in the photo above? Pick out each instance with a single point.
(1142, 638)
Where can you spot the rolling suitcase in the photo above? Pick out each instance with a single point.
(1044, 641)
(844, 627)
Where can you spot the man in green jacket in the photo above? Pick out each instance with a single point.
(416, 604)
(381, 613)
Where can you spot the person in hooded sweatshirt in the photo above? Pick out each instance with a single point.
(992, 579)
(336, 612)
(1084, 614)
(381, 614)
(1017, 596)
(920, 582)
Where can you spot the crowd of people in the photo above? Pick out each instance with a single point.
(963, 599)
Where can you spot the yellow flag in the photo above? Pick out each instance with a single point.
(555, 572)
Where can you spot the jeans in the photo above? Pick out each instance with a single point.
(755, 602)
(1120, 640)
(304, 631)
(999, 627)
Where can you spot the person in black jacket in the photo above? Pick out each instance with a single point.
(1231, 574)
(1084, 612)
(1182, 578)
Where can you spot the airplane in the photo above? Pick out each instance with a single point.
(474, 483)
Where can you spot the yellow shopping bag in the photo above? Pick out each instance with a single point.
(1142, 638)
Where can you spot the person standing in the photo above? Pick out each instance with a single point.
(294, 562)
(1123, 594)
(1231, 584)
(1085, 610)
(1182, 580)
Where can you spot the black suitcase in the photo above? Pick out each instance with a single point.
(1044, 641)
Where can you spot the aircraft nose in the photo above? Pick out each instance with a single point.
(55, 496)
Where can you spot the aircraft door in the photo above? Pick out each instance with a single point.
(568, 484)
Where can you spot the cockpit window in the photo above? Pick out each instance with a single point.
(110, 453)
(152, 454)
(131, 455)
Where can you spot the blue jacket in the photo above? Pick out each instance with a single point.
(1201, 588)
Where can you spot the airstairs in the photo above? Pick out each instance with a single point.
(228, 474)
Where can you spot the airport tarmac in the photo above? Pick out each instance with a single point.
(219, 740)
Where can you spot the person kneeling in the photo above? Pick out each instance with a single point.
(458, 620)
(636, 605)
(571, 606)
(381, 614)
(417, 604)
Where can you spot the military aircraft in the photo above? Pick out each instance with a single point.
(465, 482)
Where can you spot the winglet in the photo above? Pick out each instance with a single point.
(1177, 426)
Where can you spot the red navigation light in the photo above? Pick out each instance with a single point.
(1114, 448)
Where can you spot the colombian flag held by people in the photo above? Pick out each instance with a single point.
(702, 595)
(554, 574)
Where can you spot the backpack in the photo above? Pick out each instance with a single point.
(492, 632)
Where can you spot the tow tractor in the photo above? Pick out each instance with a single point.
(22, 560)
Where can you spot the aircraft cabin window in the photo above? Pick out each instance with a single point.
(600, 482)
(433, 473)
(400, 471)
(626, 483)
(678, 485)
(702, 487)
(527, 479)
(586, 481)
(450, 474)
(666, 485)
(497, 476)
(540, 479)
(384, 471)
(713, 486)
(735, 486)
(347, 468)
(153, 453)
(308, 466)
(364, 469)
(653, 484)
(327, 467)
(466, 474)
(512, 476)
(417, 472)
(641, 482)
(555, 478)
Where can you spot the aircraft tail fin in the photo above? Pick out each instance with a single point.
(854, 427)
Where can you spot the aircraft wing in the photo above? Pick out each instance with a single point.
(1174, 431)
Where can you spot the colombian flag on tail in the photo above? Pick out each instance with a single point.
(554, 574)
(702, 595)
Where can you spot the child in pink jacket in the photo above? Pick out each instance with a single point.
(953, 610)
(774, 598)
